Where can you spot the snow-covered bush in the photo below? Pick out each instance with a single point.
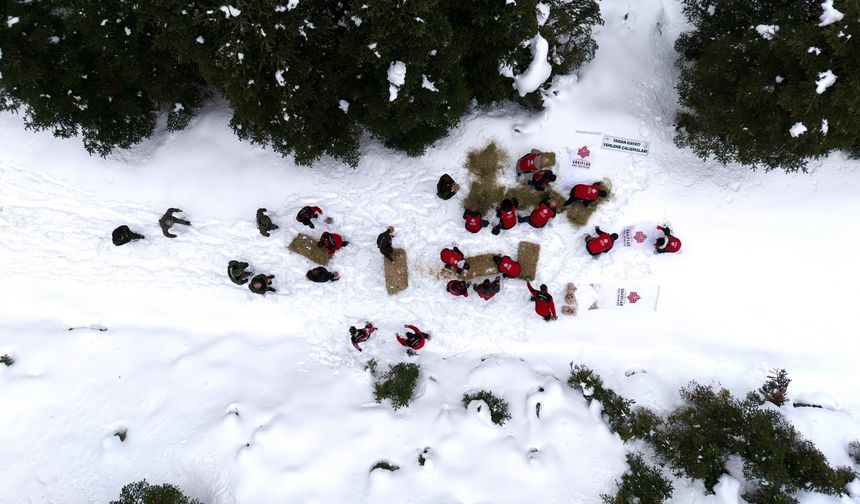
(771, 83)
(384, 465)
(641, 484)
(142, 492)
(498, 407)
(7, 360)
(617, 409)
(397, 384)
(775, 388)
(854, 451)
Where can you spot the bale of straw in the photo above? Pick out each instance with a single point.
(528, 254)
(306, 246)
(396, 273)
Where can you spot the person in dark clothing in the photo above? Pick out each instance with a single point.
(307, 213)
(357, 336)
(586, 193)
(332, 242)
(507, 214)
(236, 272)
(541, 179)
(458, 288)
(668, 243)
(454, 259)
(474, 220)
(446, 188)
(507, 266)
(264, 222)
(261, 284)
(545, 211)
(322, 275)
(168, 220)
(123, 235)
(414, 340)
(544, 305)
(383, 242)
(488, 289)
(600, 244)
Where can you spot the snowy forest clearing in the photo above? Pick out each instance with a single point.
(245, 399)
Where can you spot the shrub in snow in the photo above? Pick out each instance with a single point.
(775, 101)
(382, 464)
(397, 384)
(775, 389)
(619, 411)
(142, 492)
(498, 407)
(641, 484)
(7, 360)
(854, 451)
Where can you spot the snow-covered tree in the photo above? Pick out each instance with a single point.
(770, 83)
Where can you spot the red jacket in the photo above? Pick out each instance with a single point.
(473, 221)
(507, 218)
(415, 342)
(586, 192)
(544, 305)
(673, 244)
(539, 179)
(333, 242)
(458, 288)
(528, 163)
(541, 215)
(601, 244)
(308, 213)
(509, 267)
(451, 257)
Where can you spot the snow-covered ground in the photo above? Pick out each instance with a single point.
(245, 399)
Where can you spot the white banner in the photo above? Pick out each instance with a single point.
(612, 142)
(585, 144)
(638, 236)
(629, 297)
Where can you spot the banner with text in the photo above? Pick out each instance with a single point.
(628, 297)
(585, 145)
(638, 236)
(611, 142)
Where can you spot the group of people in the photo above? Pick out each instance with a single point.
(414, 339)
(123, 234)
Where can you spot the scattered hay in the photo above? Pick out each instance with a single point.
(396, 273)
(528, 254)
(306, 246)
(578, 215)
(479, 266)
(484, 198)
(486, 164)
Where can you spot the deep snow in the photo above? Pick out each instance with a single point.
(767, 278)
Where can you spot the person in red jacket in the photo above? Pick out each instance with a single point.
(668, 243)
(454, 259)
(458, 288)
(332, 242)
(544, 305)
(307, 213)
(507, 266)
(532, 162)
(586, 193)
(600, 244)
(541, 179)
(542, 214)
(488, 289)
(507, 214)
(357, 336)
(414, 340)
(474, 220)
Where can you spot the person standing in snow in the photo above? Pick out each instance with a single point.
(414, 340)
(446, 188)
(458, 288)
(544, 305)
(487, 289)
(322, 275)
(586, 193)
(668, 243)
(600, 244)
(507, 214)
(357, 336)
(168, 220)
(454, 259)
(332, 242)
(307, 213)
(541, 214)
(264, 222)
(383, 242)
(532, 162)
(261, 284)
(474, 220)
(507, 266)
(123, 235)
(541, 179)
(236, 272)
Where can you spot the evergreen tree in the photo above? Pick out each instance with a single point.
(89, 67)
(753, 82)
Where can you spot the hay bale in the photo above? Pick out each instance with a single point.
(486, 164)
(306, 246)
(528, 254)
(578, 215)
(396, 273)
(549, 159)
(479, 266)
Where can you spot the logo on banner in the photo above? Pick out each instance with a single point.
(640, 237)
(584, 160)
(633, 297)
